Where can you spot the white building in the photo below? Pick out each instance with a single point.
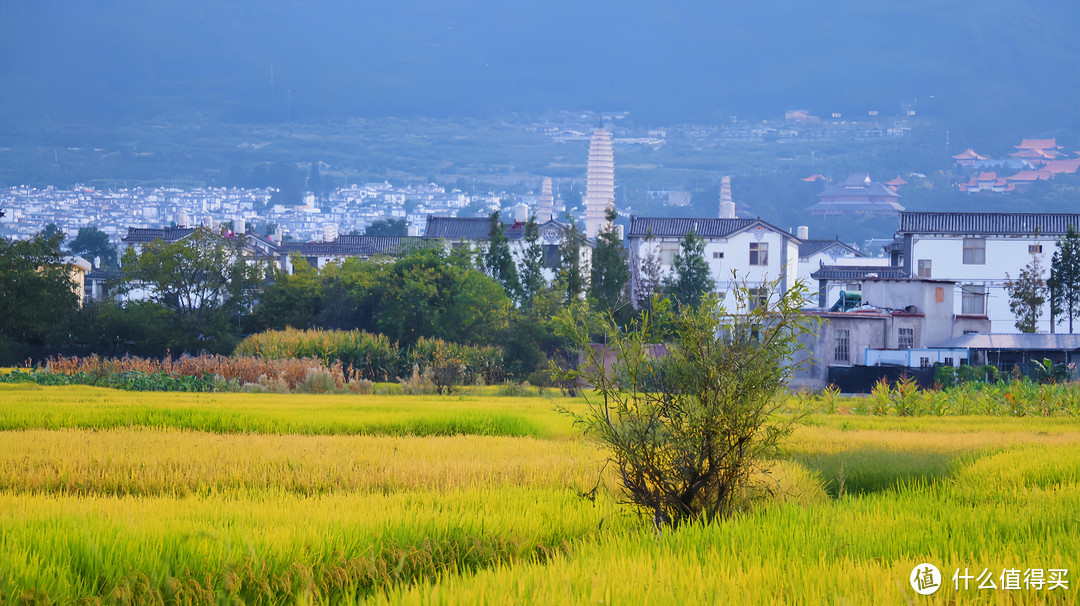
(981, 251)
(757, 252)
(474, 233)
(816, 254)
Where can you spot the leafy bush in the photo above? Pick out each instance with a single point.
(687, 439)
(375, 357)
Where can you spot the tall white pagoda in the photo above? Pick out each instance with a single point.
(599, 183)
(727, 205)
(546, 208)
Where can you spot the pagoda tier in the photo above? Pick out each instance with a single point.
(599, 183)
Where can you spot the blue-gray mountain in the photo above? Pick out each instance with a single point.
(978, 65)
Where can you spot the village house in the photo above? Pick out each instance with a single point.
(898, 322)
(980, 251)
(738, 251)
(815, 254)
(474, 233)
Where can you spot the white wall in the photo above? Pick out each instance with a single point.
(1004, 255)
(782, 261)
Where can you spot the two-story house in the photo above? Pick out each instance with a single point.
(738, 251)
(474, 233)
(981, 251)
(899, 322)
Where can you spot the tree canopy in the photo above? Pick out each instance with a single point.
(690, 281)
(36, 291)
(91, 242)
(206, 281)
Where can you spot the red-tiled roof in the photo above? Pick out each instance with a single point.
(987, 176)
(897, 181)
(1038, 144)
(813, 178)
(970, 154)
(1062, 166)
(1025, 175)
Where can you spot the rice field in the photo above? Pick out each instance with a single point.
(205, 498)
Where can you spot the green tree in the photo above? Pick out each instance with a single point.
(687, 430)
(690, 280)
(1027, 294)
(1064, 280)
(294, 300)
(91, 242)
(571, 280)
(205, 281)
(649, 278)
(532, 264)
(50, 231)
(610, 272)
(498, 260)
(36, 291)
(431, 294)
(387, 227)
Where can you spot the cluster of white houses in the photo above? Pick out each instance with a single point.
(936, 299)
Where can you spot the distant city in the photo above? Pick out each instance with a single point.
(347, 210)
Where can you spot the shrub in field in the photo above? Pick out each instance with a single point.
(418, 383)
(198, 373)
(687, 431)
(375, 357)
(452, 364)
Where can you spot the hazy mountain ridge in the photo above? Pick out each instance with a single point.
(987, 67)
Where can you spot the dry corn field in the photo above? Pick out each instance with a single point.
(203, 498)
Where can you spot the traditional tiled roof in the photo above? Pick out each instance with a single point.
(898, 181)
(1017, 342)
(1029, 175)
(352, 246)
(1038, 144)
(970, 154)
(1062, 166)
(858, 272)
(458, 228)
(872, 189)
(1048, 224)
(667, 227)
(150, 234)
(810, 247)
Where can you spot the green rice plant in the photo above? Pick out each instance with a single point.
(829, 397)
(32, 406)
(904, 397)
(881, 397)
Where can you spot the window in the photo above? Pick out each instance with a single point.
(924, 362)
(841, 353)
(974, 251)
(759, 253)
(718, 255)
(924, 268)
(905, 338)
(853, 287)
(1034, 249)
(551, 256)
(759, 297)
(668, 253)
(973, 301)
(948, 361)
